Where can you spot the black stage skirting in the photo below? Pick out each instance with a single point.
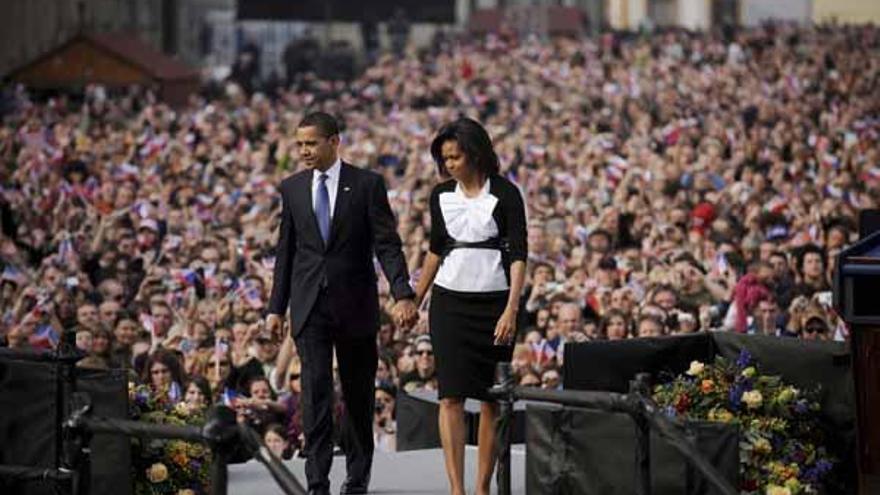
(810, 365)
(574, 451)
(31, 408)
(418, 472)
(417, 426)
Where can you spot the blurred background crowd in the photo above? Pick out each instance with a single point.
(675, 183)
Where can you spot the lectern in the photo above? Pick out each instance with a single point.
(857, 299)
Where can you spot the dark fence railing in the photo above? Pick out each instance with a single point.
(637, 403)
(221, 433)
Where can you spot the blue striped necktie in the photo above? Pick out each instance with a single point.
(322, 208)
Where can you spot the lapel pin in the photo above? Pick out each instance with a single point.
(346, 188)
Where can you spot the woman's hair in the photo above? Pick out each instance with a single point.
(107, 334)
(204, 388)
(606, 320)
(277, 429)
(474, 142)
(258, 379)
(166, 358)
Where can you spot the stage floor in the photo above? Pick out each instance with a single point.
(415, 471)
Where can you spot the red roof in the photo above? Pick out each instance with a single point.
(140, 54)
(130, 51)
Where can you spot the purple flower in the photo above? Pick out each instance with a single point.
(801, 407)
(811, 475)
(776, 442)
(735, 396)
(141, 397)
(744, 359)
(823, 466)
(670, 411)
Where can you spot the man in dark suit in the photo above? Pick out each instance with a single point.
(334, 218)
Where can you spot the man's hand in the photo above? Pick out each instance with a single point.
(405, 313)
(274, 324)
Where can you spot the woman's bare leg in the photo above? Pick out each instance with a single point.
(452, 433)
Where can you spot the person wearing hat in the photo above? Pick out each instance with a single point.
(423, 376)
(814, 324)
(148, 235)
(262, 364)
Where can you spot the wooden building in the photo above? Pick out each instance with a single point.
(113, 60)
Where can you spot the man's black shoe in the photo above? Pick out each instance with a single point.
(352, 488)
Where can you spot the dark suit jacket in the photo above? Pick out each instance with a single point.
(362, 225)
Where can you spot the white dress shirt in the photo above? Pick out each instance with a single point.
(332, 185)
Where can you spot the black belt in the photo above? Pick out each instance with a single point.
(496, 243)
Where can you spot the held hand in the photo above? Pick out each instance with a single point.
(505, 328)
(273, 324)
(405, 313)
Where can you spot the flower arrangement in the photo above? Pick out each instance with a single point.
(167, 466)
(781, 447)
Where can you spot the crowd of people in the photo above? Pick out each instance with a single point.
(674, 183)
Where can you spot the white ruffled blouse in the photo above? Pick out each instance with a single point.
(470, 220)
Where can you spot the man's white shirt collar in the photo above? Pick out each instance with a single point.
(332, 173)
(332, 184)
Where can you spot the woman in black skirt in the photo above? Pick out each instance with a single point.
(476, 264)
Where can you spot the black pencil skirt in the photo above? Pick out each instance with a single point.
(462, 326)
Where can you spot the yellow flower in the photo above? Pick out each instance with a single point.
(721, 415)
(707, 386)
(749, 372)
(793, 485)
(787, 394)
(157, 473)
(762, 446)
(194, 449)
(777, 490)
(182, 409)
(753, 399)
(696, 368)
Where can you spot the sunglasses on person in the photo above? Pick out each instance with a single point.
(424, 352)
(214, 363)
(815, 329)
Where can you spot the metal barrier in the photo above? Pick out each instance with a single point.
(637, 403)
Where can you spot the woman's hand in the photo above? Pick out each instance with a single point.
(505, 329)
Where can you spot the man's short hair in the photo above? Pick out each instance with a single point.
(326, 123)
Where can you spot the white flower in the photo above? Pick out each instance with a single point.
(696, 368)
(157, 473)
(753, 399)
